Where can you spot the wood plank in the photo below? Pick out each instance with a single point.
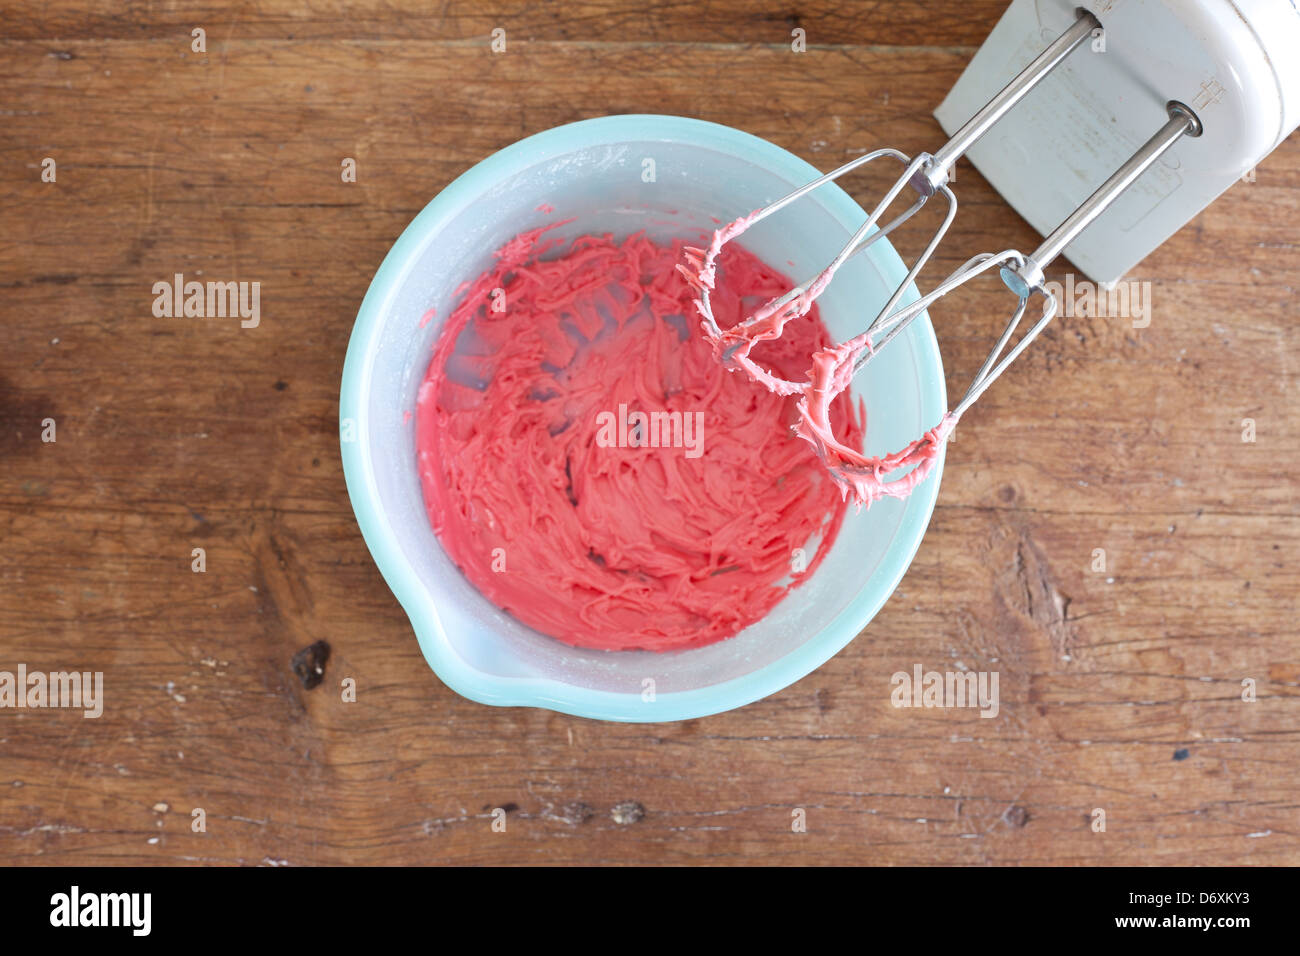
(893, 23)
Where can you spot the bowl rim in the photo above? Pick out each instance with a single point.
(397, 572)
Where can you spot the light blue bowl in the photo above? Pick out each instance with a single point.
(668, 175)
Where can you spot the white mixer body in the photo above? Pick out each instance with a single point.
(1236, 63)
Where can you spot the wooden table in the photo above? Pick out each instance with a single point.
(1120, 689)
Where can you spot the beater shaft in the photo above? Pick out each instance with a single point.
(1182, 121)
(935, 170)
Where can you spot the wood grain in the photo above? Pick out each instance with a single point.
(176, 434)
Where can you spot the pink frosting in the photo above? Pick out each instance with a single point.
(620, 548)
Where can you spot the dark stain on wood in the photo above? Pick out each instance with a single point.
(309, 664)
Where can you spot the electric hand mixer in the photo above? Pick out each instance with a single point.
(1226, 72)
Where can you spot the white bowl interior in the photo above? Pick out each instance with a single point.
(604, 188)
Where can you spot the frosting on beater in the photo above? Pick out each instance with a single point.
(864, 478)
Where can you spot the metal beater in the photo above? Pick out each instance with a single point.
(927, 175)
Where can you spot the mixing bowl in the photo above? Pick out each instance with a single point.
(669, 176)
